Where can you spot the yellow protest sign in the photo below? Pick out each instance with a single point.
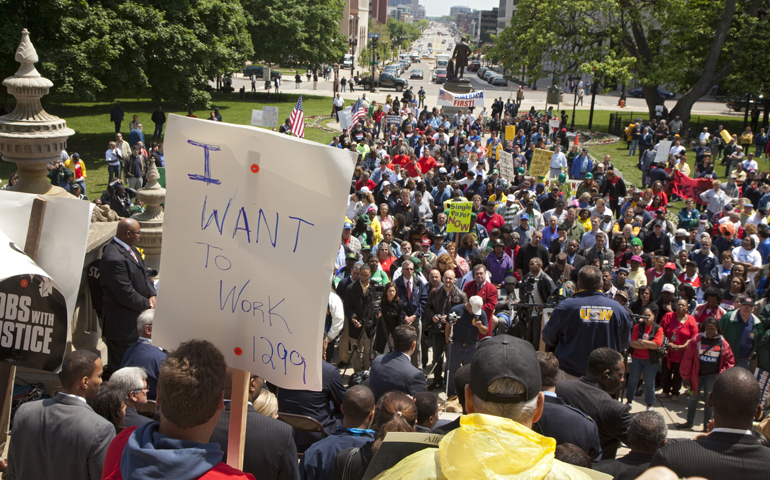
(541, 163)
(726, 136)
(510, 132)
(459, 220)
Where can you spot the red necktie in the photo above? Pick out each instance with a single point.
(133, 255)
(409, 289)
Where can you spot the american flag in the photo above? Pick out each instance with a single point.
(297, 119)
(358, 111)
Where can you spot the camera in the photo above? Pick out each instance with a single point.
(372, 306)
(527, 286)
(452, 318)
(420, 255)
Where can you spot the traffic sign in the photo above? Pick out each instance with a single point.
(374, 63)
(374, 35)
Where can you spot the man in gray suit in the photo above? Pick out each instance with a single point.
(62, 437)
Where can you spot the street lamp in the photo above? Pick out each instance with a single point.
(352, 42)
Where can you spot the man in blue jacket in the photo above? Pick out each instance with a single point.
(586, 321)
(394, 370)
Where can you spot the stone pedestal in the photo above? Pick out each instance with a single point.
(30, 137)
(151, 219)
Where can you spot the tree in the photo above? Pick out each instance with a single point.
(658, 42)
(102, 50)
(423, 24)
(296, 32)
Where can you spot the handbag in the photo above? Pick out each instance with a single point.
(346, 471)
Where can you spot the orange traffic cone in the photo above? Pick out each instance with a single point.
(577, 139)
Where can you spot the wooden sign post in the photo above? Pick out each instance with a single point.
(7, 370)
(236, 437)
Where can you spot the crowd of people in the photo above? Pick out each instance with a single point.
(635, 302)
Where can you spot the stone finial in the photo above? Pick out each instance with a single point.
(26, 56)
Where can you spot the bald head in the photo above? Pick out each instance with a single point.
(128, 231)
(735, 398)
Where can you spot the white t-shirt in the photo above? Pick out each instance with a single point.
(753, 257)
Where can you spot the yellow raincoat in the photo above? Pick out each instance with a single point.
(486, 447)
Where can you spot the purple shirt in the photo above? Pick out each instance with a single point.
(499, 268)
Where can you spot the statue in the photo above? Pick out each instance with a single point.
(461, 52)
(450, 70)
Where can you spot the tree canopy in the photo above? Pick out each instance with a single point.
(169, 50)
(685, 45)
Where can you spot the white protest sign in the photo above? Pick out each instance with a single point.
(554, 124)
(661, 155)
(505, 165)
(256, 118)
(246, 264)
(63, 240)
(269, 116)
(346, 118)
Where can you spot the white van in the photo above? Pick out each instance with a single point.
(442, 61)
(347, 61)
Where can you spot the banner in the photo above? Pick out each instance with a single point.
(687, 187)
(393, 120)
(726, 136)
(541, 163)
(466, 100)
(346, 118)
(554, 124)
(235, 241)
(459, 219)
(270, 117)
(505, 165)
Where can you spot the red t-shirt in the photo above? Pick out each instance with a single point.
(413, 169)
(695, 282)
(644, 353)
(678, 333)
(401, 160)
(427, 163)
(490, 221)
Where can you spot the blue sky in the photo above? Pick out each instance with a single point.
(437, 8)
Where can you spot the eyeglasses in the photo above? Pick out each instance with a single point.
(141, 390)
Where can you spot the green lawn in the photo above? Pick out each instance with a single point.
(94, 130)
(91, 122)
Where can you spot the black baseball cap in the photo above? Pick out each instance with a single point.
(504, 356)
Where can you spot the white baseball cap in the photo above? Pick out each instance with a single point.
(476, 304)
(669, 288)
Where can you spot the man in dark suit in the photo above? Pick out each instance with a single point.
(270, 452)
(132, 381)
(342, 290)
(414, 295)
(144, 354)
(561, 422)
(591, 394)
(574, 259)
(356, 305)
(599, 250)
(646, 435)
(127, 288)
(394, 370)
(730, 450)
(358, 410)
(62, 437)
(324, 406)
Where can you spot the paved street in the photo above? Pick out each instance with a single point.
(706, 106)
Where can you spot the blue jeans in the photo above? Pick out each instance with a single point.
(82, 184)
(632, 150)
(705, 384)
(113, 172)
(158, 130)
(639, 366)
(458, 357)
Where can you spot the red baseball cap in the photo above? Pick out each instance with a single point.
(425, 241)
(670, 265)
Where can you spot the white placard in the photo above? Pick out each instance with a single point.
(256, 118)
(270, 117)
(505, 165)
(346, 118)
(554, 124)
(661, 155)
(63, 240)
(246, 265)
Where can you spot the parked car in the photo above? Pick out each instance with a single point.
(416, 73)
(499, 81)
(258, 72)
(474, 66)
(481, 71)
(739, 105)
(387, 80)
(488, 74)
(393, 70)
(636, 92)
